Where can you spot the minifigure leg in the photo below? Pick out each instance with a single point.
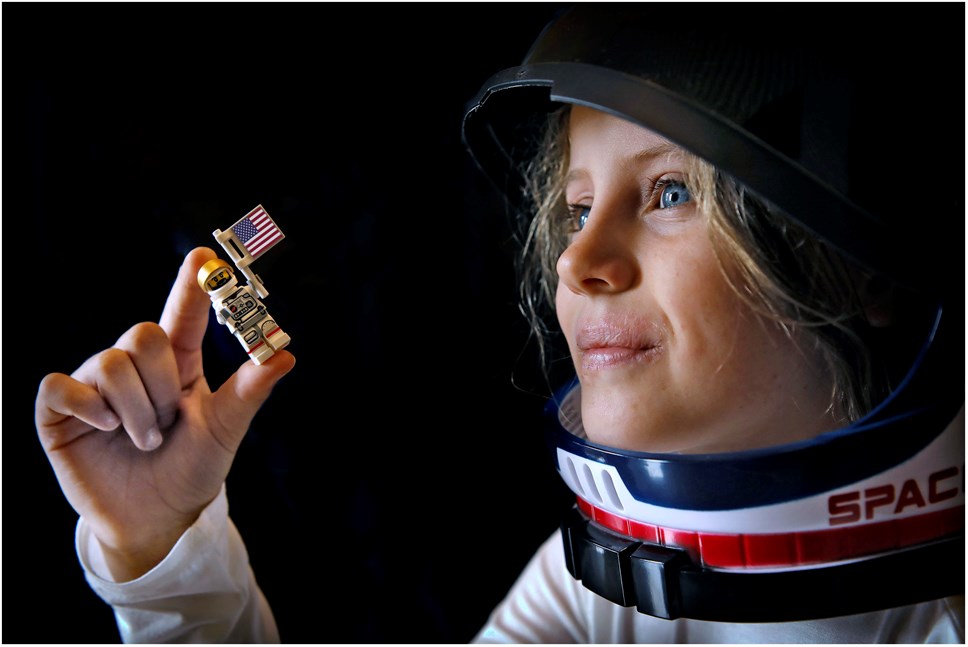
(277, 339)
(261, 352)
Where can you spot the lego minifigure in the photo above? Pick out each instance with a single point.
(239, 308)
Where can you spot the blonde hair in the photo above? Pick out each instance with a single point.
(784, 274)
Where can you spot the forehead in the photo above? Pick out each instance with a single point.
(595, 137)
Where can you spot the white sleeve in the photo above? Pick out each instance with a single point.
(203, 591)
(543, 606)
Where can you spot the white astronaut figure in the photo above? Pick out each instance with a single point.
(239, 308)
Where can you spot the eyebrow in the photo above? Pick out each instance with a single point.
(646, 154)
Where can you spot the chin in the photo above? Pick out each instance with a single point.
(625, 434)
(641, 433)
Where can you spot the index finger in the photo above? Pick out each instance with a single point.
(185, 316)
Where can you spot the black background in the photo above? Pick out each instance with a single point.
(397, 481)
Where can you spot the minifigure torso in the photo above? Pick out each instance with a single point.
(238, 308)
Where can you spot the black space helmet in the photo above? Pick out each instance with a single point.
(855, 129)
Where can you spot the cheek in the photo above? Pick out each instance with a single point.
(723, 348)
(701, 309)
(719, 347)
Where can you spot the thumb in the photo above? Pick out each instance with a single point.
(240, 397)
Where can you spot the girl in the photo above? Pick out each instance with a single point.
(757, 434)
(759, 441)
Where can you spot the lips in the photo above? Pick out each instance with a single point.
(618, 341)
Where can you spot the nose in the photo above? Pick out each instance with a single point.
(601, 257)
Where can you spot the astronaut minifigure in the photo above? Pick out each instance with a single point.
(240, 309)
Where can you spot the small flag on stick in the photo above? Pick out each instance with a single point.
(249, 238)
(254, 234)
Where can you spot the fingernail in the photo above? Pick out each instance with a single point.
(110, 421)
(152, 439)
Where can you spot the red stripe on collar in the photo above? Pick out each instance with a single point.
(787, 549)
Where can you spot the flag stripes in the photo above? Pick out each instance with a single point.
(257, 232)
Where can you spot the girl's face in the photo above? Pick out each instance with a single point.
(669, 358)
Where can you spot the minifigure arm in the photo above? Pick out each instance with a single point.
(203, 591)
(218, 305)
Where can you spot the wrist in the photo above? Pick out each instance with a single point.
(130, 561)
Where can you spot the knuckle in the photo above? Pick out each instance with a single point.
(112, 362)
(51, 382)
(148, 337)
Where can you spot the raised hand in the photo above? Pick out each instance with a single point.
(139, 442)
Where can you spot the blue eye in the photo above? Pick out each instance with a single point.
(579, 215)
(673, 194)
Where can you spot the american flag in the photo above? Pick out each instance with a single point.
(257, 232)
